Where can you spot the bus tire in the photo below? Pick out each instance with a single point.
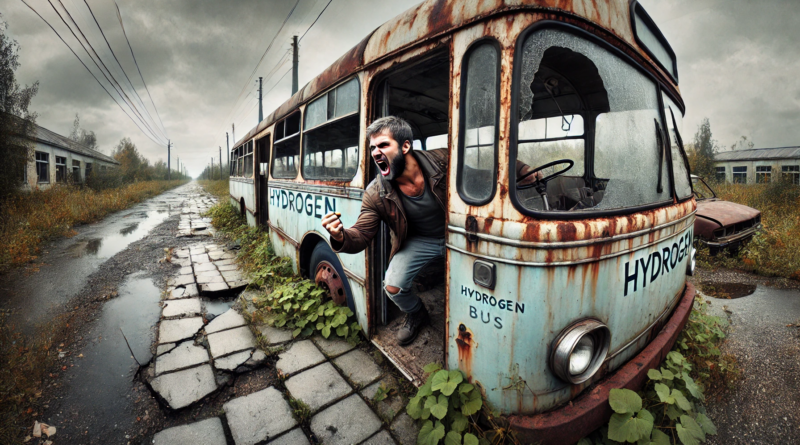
(326, 270)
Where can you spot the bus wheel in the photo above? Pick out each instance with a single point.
(326, 271)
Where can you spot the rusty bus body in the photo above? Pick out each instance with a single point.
(521, 270)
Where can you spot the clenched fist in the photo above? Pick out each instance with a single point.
(333, 225)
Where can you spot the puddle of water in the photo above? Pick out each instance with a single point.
(127, 230)
(113, 243)
(216, 307)
(100, 382)
(729, 291)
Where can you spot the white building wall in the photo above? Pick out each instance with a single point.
(52, 151)
(776, 164)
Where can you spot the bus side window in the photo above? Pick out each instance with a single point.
(331, 134)
(287, 149)
(478, 141)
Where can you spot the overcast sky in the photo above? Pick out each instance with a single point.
(738, 63)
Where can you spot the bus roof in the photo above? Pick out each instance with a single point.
(434, 18)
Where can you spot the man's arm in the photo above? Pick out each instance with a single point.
(356, 238)
(523, 169)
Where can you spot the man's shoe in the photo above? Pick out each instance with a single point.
(411, 326)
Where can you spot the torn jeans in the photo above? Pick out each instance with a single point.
(417, 253)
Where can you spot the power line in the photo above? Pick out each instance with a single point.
(87, 69)
(315, 20)
(161, 129)
(118, 87)
(119, 16)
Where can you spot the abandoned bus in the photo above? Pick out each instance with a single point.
(575, 281)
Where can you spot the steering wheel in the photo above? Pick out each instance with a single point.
(541, 183)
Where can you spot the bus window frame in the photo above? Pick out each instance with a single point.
(514, 124)
(462, 120)
(299, 135)
(681, 148)
(334, 120)
(651, 24)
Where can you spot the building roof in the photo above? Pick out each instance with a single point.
(51, 138)
(759, 154)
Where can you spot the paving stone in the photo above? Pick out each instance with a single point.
(229, 319)
(181, 280)
(293, 437)
(336, 426)
(227, 267)
(231, 362)
(257, 359)
(161, 349)
(183, 356)
(318, 386)
(210, 277)
(332, 347)
(390, 407)
(204, 267)
(232, 340)
(258, 416)
(175, 292)
(388, 383)
(225, 262)
(213, 287)
(182, 308)
(191, 290)
(405, 429)
(238, 284)
(182, 388)
(202, 258)
(233, 275)
(382, 438)
(171, 331)
(181, 253)
(299, 356)
(205, 432)
(359, 367)
(229, 255)
(275, 336)
(215, 255)
(185, 270)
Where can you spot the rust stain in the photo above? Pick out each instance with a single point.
(464, 342)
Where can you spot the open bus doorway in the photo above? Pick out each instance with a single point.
(420, 94)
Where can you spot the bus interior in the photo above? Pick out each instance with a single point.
(419, 93)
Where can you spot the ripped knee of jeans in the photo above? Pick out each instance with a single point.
(392, 291)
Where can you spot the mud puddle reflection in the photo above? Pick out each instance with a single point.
(114, 242)
(99, 386)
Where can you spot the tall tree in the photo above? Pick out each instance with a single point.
(82, 135)
(701, 159)
(17, 123)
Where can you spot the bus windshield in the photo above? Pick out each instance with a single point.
(579, 102)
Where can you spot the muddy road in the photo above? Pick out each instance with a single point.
(100, 290)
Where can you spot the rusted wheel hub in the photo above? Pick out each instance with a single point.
(327, 277)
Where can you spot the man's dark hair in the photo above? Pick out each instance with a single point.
(398, 128)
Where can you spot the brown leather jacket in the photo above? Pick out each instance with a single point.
(381, 203)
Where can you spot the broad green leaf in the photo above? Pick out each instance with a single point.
(342, 331)
(425, 390)
(320, 325)
(685, 436)
(339, 319)
(439, 379)
(439, 410)
(692, 387)
(452, 438)
(308, 304)
(470, 439)
(624, 401)
(675, 357)
(414, 407)
(629, 428)
(330, 311)
(681, 400)
(287, 306)
(667, 374)
(658, 437)
(326, 331)
(706, 424)
(465, 387)
(460, 421)
(430, 368)
(430, 434)
(585, 441)
(673, 412)
(663, 391)
(472, 404)
(653, 374)
(693, 428)
(447, 381)
(296, 332)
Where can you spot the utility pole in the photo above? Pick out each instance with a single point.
(260, 110)
(212, 167)
(295, 52)
(220, 162)
(169, 145)
(233, 132)
(228, 147)
(178, 165)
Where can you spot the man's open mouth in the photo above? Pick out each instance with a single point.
(383, 165)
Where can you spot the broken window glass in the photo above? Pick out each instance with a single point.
(681, 171)
(479, 142)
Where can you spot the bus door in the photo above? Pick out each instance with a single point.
(262, 179)
(420, 94)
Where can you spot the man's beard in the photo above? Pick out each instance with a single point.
(396, 167)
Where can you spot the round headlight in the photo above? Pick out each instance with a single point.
(579, 350)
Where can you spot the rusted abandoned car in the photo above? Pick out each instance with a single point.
(722, 224)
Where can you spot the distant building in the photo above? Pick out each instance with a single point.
(58, 159)
(758, 165)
